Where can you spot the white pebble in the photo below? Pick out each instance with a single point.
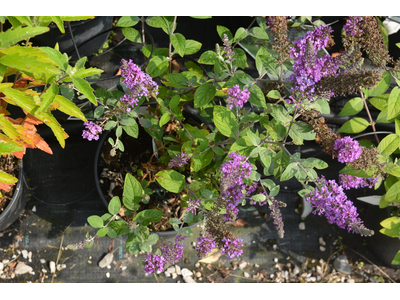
(61, 266)
(256, 265)
(242, 265)
(1, 266)
(44, 271)
(321, 241)
(106, 260)
(174, 275)
(186, 272)
(123, 268)
(351, 280)
(198, 274)
(108, 274)
(197, 265)
(178, 270)
(6, 261)
(52, 267)
(276, 259)
(188, 279)
(167, 274)
(247, 275)
(171, 269)
(34, 208)
(42, 261)
(30, 256)
(109, 267)
(322, 248)
(22, 268)
(24, 254)
(302, 226)
(274, 246)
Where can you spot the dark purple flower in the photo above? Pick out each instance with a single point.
(173, 252)
(231, 247)
(205, 244)
(154, 263)
(92, 131)
(351, 27)
(348, 149)
(179, 160)
(237, 97)
(277, 216)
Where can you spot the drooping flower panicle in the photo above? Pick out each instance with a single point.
(349, 181)
(231, 247)
(179, 160)
(329, 199)
(205, 244)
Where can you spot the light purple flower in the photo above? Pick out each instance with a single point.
(329, 199)
(348, 149)
(193, 205)
(139, 83)
(205, 244)
(154, 262)
(237, 97)
(277, 216)
(173, 252)
(231, 247)
(349, 181)
(228, 52)
(92, 131)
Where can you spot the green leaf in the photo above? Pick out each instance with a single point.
(240, 58)
(7, 148)
(225, 121)
(102, 232)
(178, 41)
(204, 94)
(132, 131)
(127, 21)
(393, 108)
(281, 161)
(392, 169)
(380, 102)
(13, 36)
(240, 34)
(48, 97)
(149, 215)
(60, 24)
(258, 33)
(354, 172)
(202, 160)
(396, 259)
(152, 239)
(84, 87)
(259, 198)
(133, 191)
(56, 56)
(83, 73)
(132, 34)
(164, 119)
(191, 47)
(98, 112)
(380, 87)
(224, 30)
(208, 58)
(95, 221)
(265, 62)
(355, 125)
(389, 144)
(157, 65)
(171, 180)
(352, 107)
(174, 102)
(114, 206)
(274, 94)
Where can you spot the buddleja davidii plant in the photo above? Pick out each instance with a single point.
(34, 67)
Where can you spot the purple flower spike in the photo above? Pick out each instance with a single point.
(237, 97)
(179, 160)
(205, 245)
(92, 131)
(154, 262)
(351, 27)
(348, 149)
(231, 247)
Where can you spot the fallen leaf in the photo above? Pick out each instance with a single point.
(212, 257)
(238, 223)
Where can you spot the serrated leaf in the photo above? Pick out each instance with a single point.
(48, 97)
(13, 36)
(56, 56)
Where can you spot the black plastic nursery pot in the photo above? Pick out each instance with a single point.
(17, 204)
(97, 175)
(89, 36)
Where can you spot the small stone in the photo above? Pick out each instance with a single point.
(256, 265)
(288, 258)
(107, 260)
(42, 261)
(22, 268)
(6, 261)
(34, 208)
(312, 279)
(321, 241)
(24, 254)
(242, 265)
(1, 234)
(351, 280)
(61, 266)
(44, 271)
(247, 275)
(171, 269)
(198, 274)
(322, 248)
(275, 259)
(186, 272)
(274, 246)
(123, 268)
(174, 275)
(30, 256)
(1, 266)
(319, 278)
(109, 267)
(167, 274)
(302, 226)
(52, 265)
(188, 279)
(341, 264)
(197, 265)
(178, 270)
(108, 274)
(194, 244)
(89, 261)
